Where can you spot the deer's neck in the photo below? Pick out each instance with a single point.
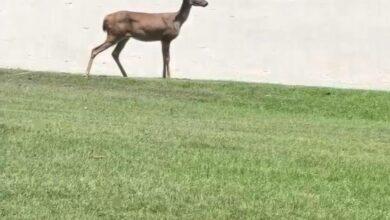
(184, 12)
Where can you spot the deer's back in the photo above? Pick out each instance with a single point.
(142, 26)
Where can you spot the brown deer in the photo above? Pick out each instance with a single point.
(123, 25)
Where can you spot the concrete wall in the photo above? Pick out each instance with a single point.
(342, 43)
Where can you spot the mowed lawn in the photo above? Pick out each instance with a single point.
(174, 149)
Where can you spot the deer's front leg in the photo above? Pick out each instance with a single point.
(166, 59)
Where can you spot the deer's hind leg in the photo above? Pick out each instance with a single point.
(110, 41)
(115, 54)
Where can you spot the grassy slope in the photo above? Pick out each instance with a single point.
(115, 148)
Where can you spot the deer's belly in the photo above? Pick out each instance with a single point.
(154, 35)
(144, 36)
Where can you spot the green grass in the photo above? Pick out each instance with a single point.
(152, 149)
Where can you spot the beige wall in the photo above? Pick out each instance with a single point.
(342, 43)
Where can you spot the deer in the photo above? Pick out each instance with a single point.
(121, 26)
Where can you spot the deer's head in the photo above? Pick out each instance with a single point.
(202, 3)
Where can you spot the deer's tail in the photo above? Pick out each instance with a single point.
(105, 25)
